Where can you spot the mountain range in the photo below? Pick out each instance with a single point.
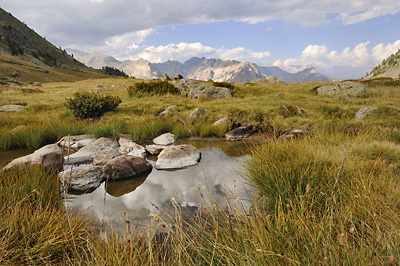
(197, 68)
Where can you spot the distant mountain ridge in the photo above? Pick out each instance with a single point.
(197, 68)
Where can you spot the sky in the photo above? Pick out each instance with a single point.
(355, 35)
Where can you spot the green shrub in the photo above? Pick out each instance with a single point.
(91, 105)
(152, 88)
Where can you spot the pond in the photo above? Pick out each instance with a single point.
(216, 177)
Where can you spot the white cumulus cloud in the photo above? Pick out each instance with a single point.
(361, 56)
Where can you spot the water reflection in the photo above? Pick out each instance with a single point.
(215, 177)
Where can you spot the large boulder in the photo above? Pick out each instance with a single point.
(363, 112)
(165, 139)
(83, 178)
(125, 166)
(239, 133)
(86, 154)
(177, 157)
(76, 142)
(343, 89)
(127, 146)
(194, 90)
(49, 156)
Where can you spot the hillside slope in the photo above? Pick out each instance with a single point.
(389, 68)
(27, 57)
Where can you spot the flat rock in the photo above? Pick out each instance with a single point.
(155, 149)
(170, 109)
(165, 139)
(343, 89)
(102, 159)
(82, 178)
(125, 166)
(49, 156)
(86, 154)
(239, 133)
(363, 112)
(129, 147)
(76, 142)
(177, 157)
(294, 134)
(11, 108)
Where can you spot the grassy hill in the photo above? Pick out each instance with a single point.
(26, 57)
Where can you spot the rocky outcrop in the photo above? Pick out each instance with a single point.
(102, 159)
(86, 154)
(177, 157)
(194, 90)
(125, 166)
(82, 178)
(76, 142)
(198, 112)
(48, 156)
(343, 89)
(363, 112)
(239, 133)
(165, 139)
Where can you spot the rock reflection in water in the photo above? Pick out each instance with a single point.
(122, 187)
(215, 177)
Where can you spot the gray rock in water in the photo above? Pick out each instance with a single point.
(86, 154)
(155, 149)
(198, 112)
(125, 166)
(48, 156)
(177, 157)
(129, 147)
(343, 89)
(102, 159)
(363, 112)
(194, 90)
(11, 108)
(82, 178)
(223, 121)
(239, 133)
(165, 139)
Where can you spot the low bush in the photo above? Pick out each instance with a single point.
(91, 105)
(152, 88)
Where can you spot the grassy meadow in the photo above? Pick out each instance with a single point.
(331, 198)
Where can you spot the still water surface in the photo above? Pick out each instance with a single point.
(216, 177)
